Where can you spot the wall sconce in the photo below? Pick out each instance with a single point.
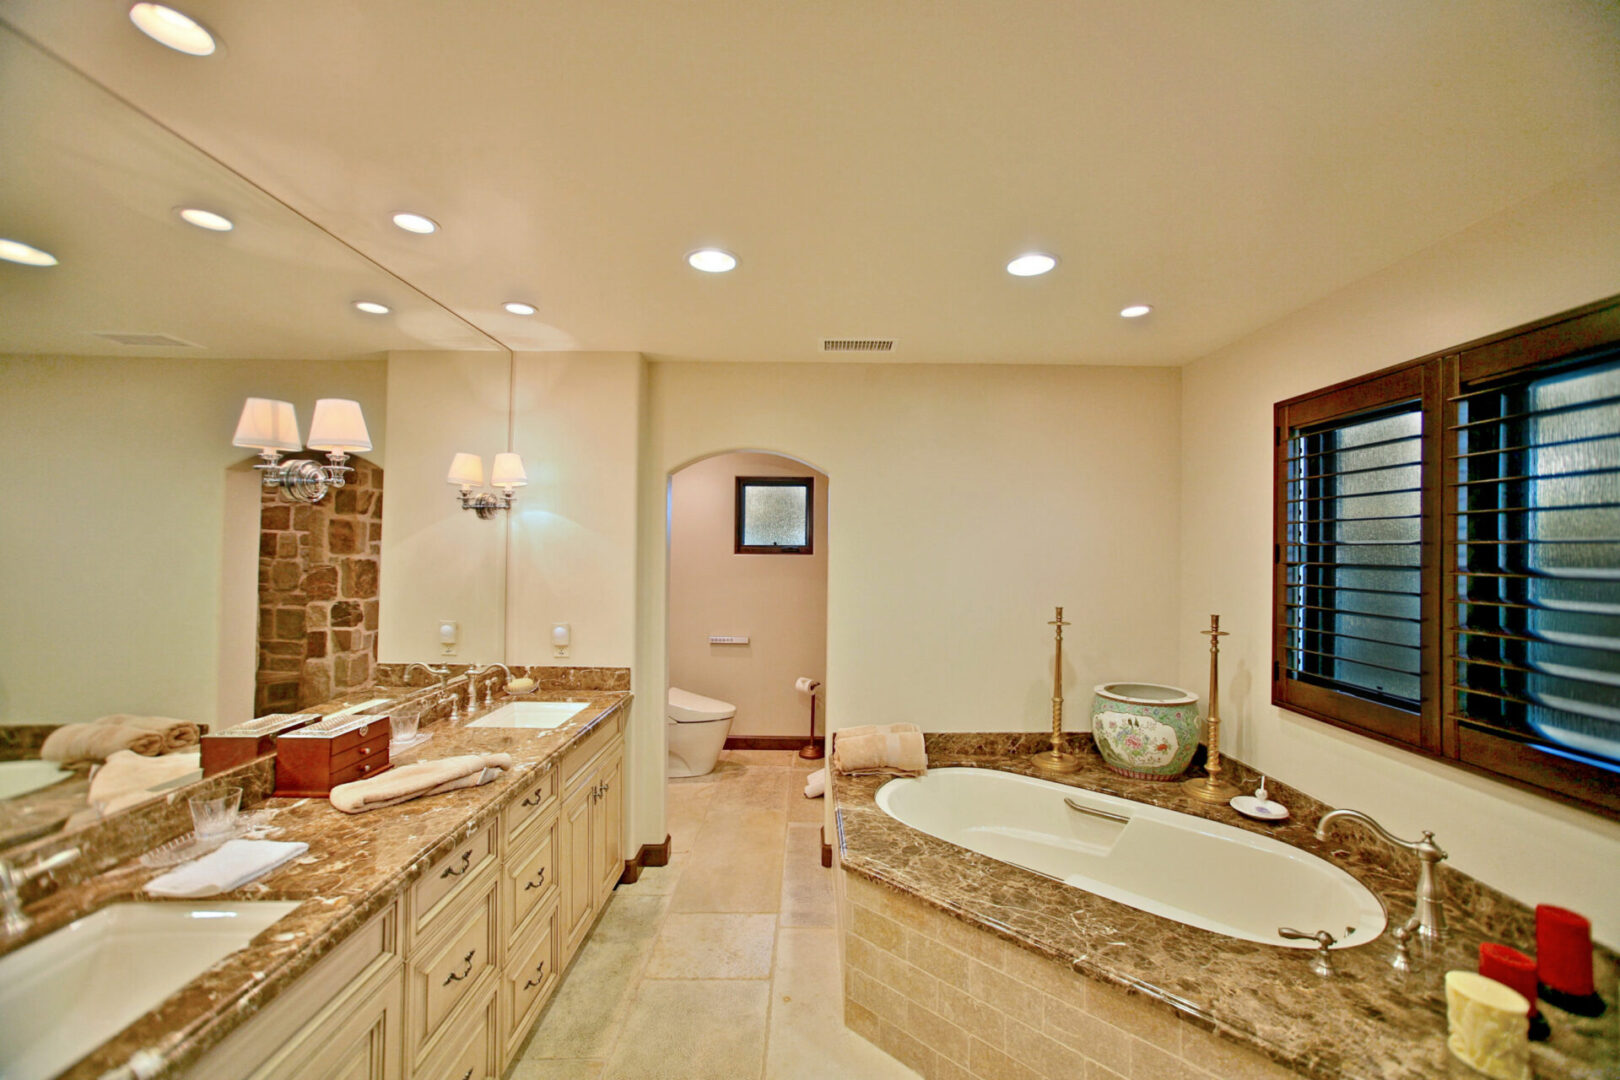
(467, 471)
(271, 427)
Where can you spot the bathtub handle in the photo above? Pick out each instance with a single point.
(1108, 815)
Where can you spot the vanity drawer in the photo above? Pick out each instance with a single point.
(578, 762)
(539, 796)
(468, 1051)
(449, 875)
(530, 977)
(531, 873)
(444, 971)
(377, 729)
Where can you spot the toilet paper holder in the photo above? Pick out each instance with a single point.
(812, 750)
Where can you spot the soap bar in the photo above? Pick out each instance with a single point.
(520, 686)
(1489, 1026)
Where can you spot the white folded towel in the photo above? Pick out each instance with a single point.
(231, 866)
(417, 779)
(815, 785)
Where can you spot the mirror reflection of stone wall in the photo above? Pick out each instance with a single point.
(318, 581)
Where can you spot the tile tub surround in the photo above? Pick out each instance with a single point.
(355, 866)
(1185, 996)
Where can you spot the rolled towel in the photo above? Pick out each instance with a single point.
(80, 744)
(418, 779)
(815, 785)
(128, 778)
(880, 729)
(895, 753)
(230, 866)
(177, 734)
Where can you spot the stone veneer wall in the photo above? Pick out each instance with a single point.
(318, 567)
(954, 1002)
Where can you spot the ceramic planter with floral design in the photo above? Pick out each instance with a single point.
(1145, 730)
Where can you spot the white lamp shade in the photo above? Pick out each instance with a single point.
(508, 471)
(338, 425)
(268, 425)
(467, 470)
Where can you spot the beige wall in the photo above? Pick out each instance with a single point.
(577, 423)
(779, 602)
(112, 537)
(1553, 253)
(438, 560)
(970, 500)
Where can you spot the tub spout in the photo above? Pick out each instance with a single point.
(1431, 910)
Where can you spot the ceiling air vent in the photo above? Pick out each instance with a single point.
(857, 344)
(150, 341)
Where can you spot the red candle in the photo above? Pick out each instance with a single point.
(1511, 968)
(1564, 950)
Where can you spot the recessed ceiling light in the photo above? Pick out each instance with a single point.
(371, 307)
(18, 252)
(712, 260)
(517, 307)
(167, 26)
(416, 223)
(1032, 265)
(207, 219)
(1135, 311)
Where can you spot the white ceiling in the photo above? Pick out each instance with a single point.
(875, 165)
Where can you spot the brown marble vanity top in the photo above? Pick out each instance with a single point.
(355, 866)
(1367, 1022)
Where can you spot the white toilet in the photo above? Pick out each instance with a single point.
(697, 728)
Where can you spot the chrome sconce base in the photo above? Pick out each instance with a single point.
(484, 504)
(303, 481)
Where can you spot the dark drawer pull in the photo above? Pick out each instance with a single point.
(465, 971)
(537, 882)
(466, 861)
(539, 977)
(536, 799)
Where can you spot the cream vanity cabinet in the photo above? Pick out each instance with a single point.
(448, 980)
(590, 833)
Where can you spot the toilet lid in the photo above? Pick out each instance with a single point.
(686, 707)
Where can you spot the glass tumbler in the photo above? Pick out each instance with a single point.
(215, 816)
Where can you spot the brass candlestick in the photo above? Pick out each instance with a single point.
(1212, 788)
(1056, 760)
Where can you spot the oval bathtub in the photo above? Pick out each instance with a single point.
(1198, 872)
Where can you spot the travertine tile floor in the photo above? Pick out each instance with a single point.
(722, 965)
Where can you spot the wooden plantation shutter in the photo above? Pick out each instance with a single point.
(1533, 538)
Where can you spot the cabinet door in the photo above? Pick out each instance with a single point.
(578, 880)
(359, 1041)
(607, 829)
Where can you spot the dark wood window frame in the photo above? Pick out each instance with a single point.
(1439, 728)
(808, 483)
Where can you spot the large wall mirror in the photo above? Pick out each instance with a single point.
(143, 569)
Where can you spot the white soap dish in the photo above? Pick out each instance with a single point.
(1261, 809)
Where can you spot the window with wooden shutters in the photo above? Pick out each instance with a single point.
(1447, 548)
(1355, 474)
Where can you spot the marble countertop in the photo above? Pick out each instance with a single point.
(1367, 1022)
(355, 866)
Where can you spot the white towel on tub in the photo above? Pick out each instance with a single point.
(230, 866)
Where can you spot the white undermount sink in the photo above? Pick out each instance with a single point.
(72, 990)
(543, 715)
(21, 777)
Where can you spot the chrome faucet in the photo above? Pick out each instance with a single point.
(489, 688)
(1431, 911)
(406, 674)
(12, 879)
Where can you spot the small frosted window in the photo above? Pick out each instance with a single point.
(774, 515)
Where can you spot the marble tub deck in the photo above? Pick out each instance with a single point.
(355, 866)
(1367, 1021)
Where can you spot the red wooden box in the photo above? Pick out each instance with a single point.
(315, 759)
(226, 749)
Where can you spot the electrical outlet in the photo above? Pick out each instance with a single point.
(559, 652)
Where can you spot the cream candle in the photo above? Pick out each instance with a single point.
(1489, 1025)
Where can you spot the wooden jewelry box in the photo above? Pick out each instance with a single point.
(314, 759)
(233, 746)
